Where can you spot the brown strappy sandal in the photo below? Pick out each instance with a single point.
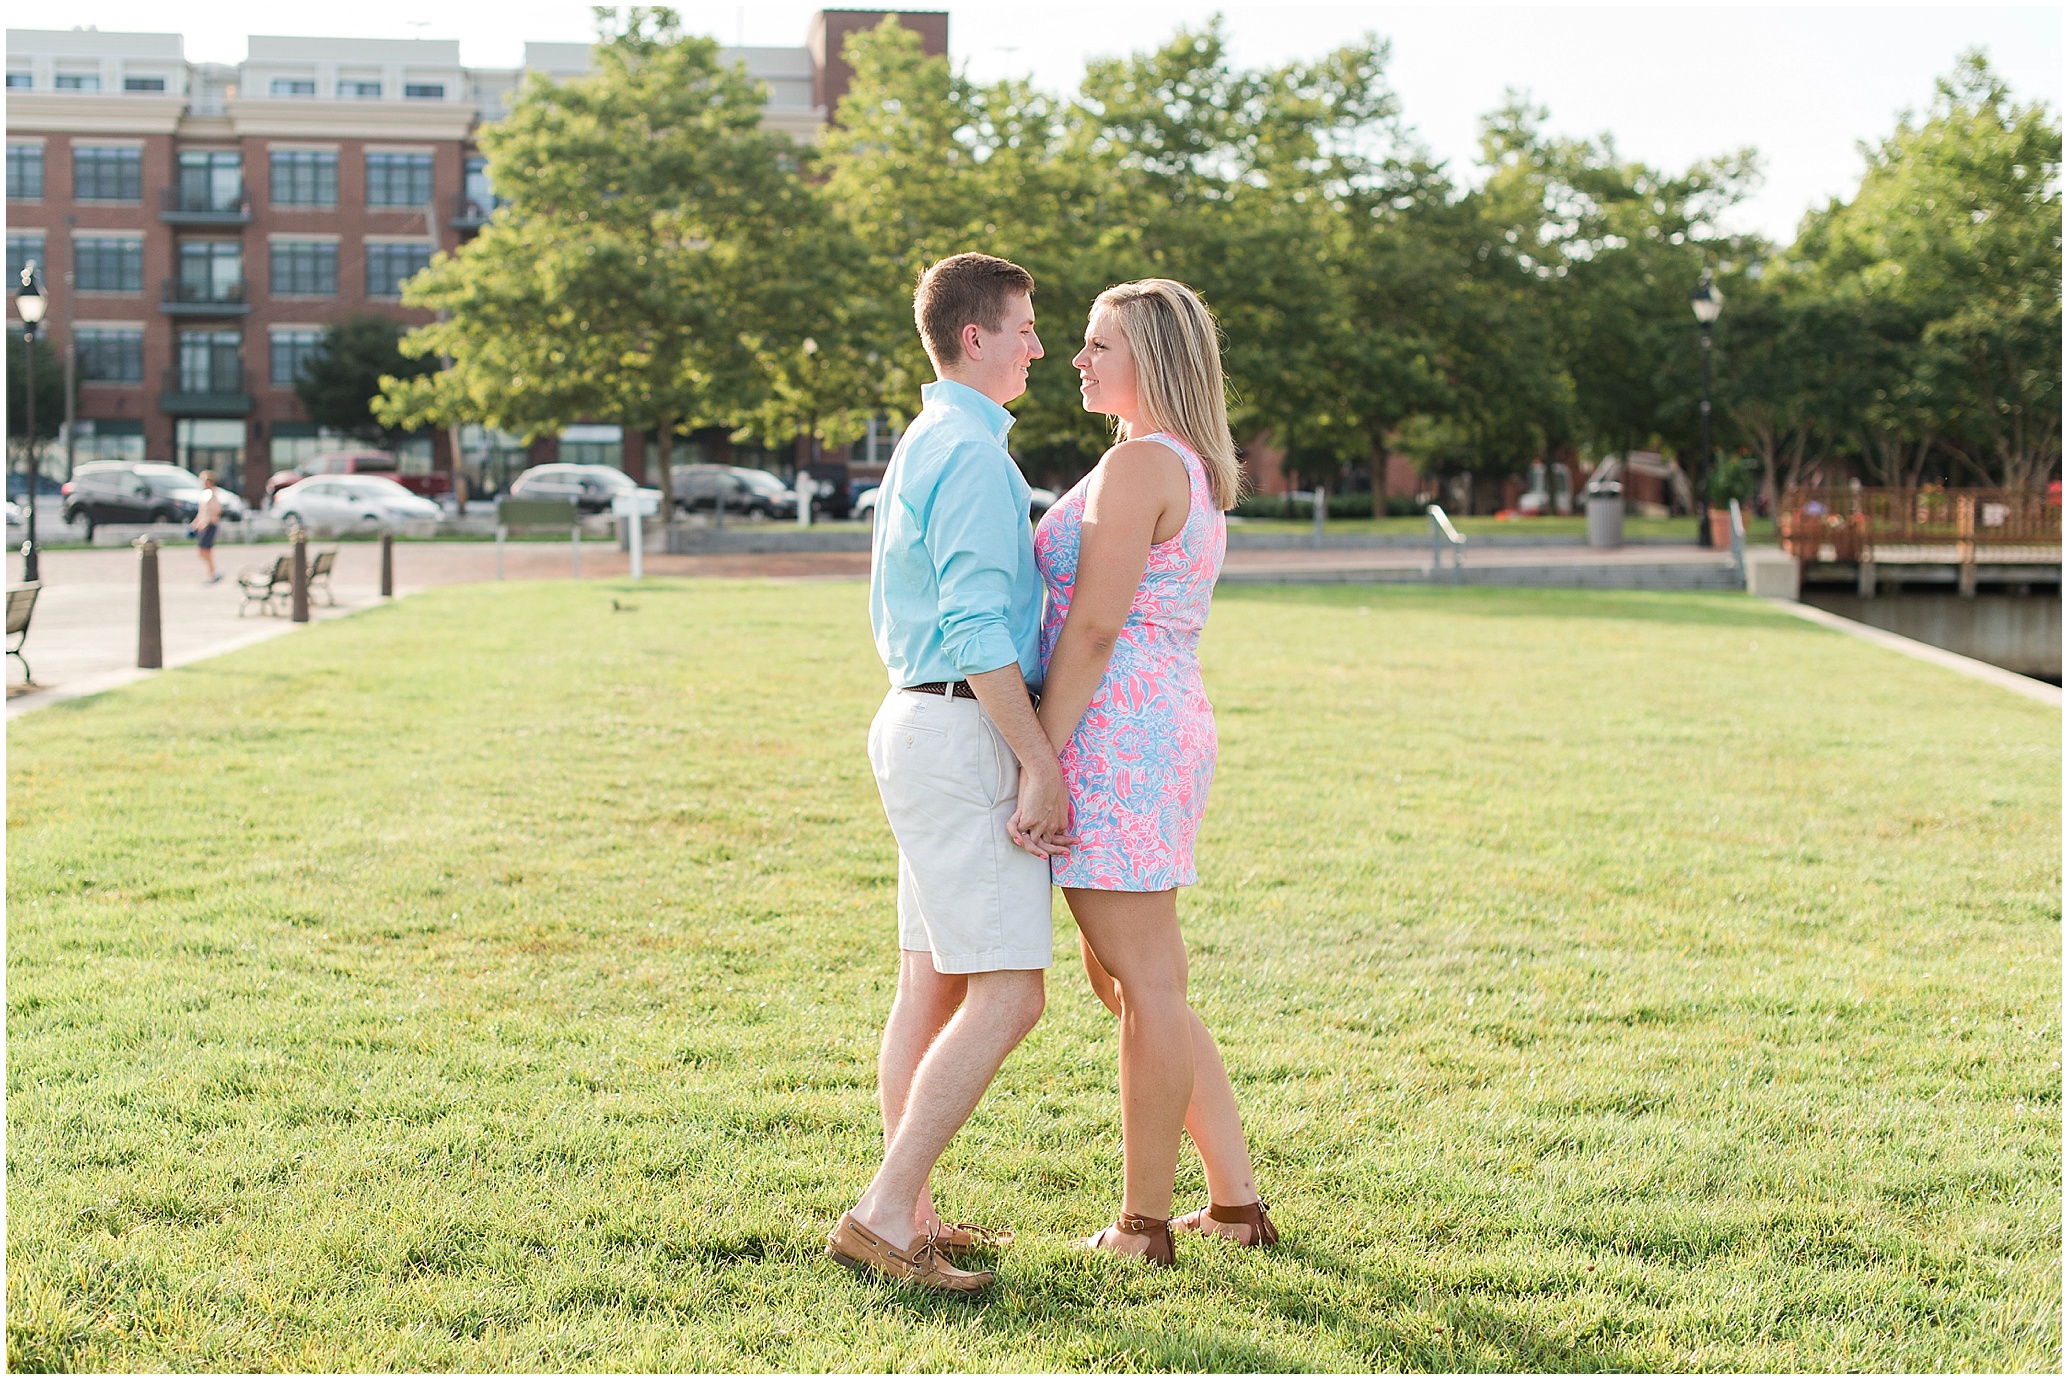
(1246, 1226)
(1162, 1250)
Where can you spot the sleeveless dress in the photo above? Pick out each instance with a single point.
(1139, 767)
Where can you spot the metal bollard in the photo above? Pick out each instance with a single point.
(150, 641)
(300, 539)
(576, 546)
(387, 565)
(500, 532)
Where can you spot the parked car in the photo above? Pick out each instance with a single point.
(139, 491)
(746, 491)
(1039, 501)
(430, 485)
(350, 501)
(589, 487)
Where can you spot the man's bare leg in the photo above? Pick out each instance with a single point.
(926, 1001)
(999, 1010)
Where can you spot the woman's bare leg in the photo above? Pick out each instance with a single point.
(1212, 1118)
(1134, 936)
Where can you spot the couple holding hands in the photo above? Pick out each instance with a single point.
(1047, 723)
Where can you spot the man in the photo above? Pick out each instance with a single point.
(208, 516)
(972, 787)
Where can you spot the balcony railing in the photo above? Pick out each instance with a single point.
(206, 393)
(182, 298)
(203, 206)
(473, 212)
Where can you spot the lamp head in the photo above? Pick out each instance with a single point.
(30, 301)
(1707, 302)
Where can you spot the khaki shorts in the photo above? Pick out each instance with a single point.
(949, 784)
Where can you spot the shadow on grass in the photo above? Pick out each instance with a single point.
(1612, 605)
(1293, 1284)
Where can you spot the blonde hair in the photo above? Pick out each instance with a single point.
(1177, 350)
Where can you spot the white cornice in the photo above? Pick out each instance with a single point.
(307, 119)
(93, 112)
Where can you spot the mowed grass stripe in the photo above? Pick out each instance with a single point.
(492, 981)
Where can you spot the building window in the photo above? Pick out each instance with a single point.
(211, 361)
(293, 86)
(424, 91)
(78, 81)
(109, 354)
(102, 174)
(108, 263)
(25, 172)
(19, 81)
(211, 443)
(304, 177)
(211, 271)
(480, 195)
(143, 83)
(211, 181)
(359, 90)
(398, 179)
(109, 439)
(304, 269)
(23, 248)
(388, 266)
(291, 350)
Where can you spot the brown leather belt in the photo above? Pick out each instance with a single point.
(958, 689)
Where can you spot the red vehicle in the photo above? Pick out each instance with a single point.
(432, 484)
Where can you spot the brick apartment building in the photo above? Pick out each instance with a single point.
(197, 226)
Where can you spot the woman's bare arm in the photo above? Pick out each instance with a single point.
(1140, 493)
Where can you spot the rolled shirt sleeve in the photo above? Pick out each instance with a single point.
(972, 536)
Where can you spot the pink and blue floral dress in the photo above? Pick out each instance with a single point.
(1139, 767)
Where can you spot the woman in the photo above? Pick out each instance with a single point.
(1129, 557)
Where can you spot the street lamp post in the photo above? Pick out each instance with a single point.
(30, 302)
(1708, 305)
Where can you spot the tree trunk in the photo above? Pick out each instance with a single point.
(664, 449)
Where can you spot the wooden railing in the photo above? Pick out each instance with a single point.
(1863, 524)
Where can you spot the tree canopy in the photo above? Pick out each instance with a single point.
(662, 260)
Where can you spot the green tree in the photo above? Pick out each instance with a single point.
(50, 388)
(340, 380)
(1950, 254)
(649, 258)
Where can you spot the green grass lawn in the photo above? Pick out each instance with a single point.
(492, 981)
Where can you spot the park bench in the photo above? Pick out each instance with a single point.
(319, 574)
(263, 584)
(21, 603)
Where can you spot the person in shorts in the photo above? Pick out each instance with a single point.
(970, 782)
(207, 518)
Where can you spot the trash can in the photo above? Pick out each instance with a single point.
(1605, 515)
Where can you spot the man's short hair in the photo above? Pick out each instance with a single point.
(962, 289)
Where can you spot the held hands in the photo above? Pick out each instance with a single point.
(1041, 822)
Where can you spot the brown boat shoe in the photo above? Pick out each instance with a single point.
(926, 1263)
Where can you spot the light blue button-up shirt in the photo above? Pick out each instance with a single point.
(952, 587)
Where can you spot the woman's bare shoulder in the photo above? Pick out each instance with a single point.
(1142, 464)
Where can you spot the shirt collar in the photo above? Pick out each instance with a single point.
(960, 397)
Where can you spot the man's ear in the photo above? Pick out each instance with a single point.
(972, 343)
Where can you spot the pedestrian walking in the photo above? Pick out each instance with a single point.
(207, 518)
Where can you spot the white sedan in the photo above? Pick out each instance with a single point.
(348, 501)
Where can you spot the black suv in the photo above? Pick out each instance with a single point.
(125, 491)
